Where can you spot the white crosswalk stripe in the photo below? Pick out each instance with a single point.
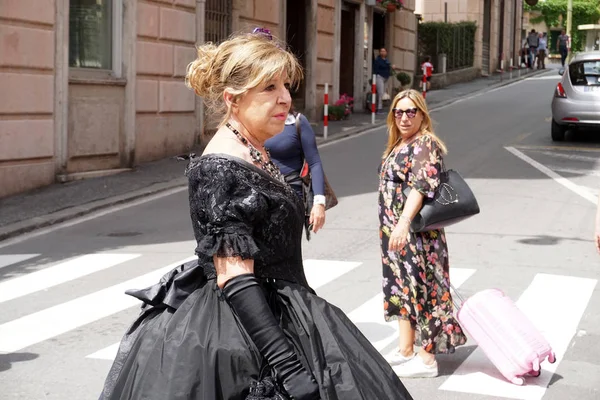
(45, 324)
(476, 375)
(61, 273)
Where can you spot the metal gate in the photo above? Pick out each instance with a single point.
(217, 20)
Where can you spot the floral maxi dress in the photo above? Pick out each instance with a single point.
(416, 279)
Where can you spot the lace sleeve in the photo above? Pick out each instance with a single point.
(225, 210)
(426, 166)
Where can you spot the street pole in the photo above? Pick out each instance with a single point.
(569, 27)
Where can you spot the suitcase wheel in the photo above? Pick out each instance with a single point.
(552, 358)
(535, 374)
(518, 381)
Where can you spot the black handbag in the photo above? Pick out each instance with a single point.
(453, 202)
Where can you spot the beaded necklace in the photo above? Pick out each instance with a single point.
(257, 156)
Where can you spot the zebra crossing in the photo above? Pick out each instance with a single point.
(475, 375)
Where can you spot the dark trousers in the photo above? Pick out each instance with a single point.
(564, 52)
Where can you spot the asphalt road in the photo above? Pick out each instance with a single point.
(62, 308)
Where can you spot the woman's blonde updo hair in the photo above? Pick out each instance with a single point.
(426, 126)
(239, 64)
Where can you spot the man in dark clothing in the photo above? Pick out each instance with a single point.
(562, 45)
(381, 68)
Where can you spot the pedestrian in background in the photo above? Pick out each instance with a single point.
(427, 68)
(289, 150)
(541, 51)
(416, 280)
(532, 42)
(240, 321)
(562, 46)
(382, 70)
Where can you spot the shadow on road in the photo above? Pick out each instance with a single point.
(7, 360)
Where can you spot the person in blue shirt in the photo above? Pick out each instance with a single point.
(288, 152)
(382, 70)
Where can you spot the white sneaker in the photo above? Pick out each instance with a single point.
(416, 368)
(396, 358)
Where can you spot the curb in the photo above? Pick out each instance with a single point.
(25, 226)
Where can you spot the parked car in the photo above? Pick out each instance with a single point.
(576, 101)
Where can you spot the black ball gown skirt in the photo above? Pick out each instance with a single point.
(187, 344)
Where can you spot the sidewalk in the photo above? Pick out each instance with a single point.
(60, 202)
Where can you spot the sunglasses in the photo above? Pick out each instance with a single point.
(410, 113)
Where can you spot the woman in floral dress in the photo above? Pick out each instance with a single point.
(415, 265)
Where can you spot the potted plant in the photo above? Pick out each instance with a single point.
(403, 78)
(336, 113)
(391, 5)
(347, 103)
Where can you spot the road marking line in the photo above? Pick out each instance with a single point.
(61, 273)
(576, 171)
(108, 353)
(570, 156)
(9, 259)
(560, 148)
(318, 273)
(557, 178)
(369, 316)
(43, 325)
(477, 375)
(321, 272)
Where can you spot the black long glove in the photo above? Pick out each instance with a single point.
(248, 301)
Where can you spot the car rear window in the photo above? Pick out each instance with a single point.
(585, 73)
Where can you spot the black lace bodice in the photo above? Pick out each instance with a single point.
(239, 210)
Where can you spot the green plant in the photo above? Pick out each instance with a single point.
(403, 78)
(456, 40)
(554, 12)
(336, 113)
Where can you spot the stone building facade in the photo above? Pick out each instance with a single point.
(95, 87)
(499, 25)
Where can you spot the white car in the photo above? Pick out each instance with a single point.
(576, 101)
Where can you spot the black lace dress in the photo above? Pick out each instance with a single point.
(187, 343)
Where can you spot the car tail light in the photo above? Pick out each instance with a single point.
(572, 119)
(560, 91)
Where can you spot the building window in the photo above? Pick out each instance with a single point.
(217, 20)
(95, 35)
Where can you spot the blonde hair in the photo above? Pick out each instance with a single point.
(240, 63)
(394, 136)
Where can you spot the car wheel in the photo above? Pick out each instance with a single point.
(558, 132)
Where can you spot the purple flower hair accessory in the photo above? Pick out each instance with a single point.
(263, 31)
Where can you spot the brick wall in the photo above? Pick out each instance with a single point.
(165, 122)
(27, 90)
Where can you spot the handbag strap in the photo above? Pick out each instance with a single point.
(299, 133)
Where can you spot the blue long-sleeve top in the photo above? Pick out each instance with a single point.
(286, 151)
(381, 67)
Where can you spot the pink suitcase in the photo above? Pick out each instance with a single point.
(508, 338)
